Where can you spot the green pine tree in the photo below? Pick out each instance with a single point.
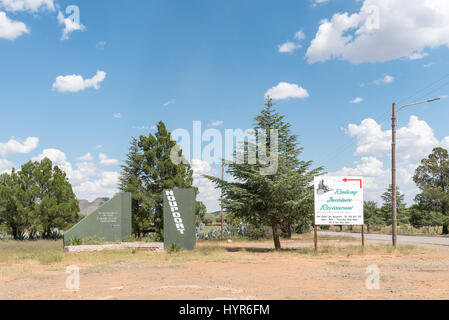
(282, 198)
(147, 172)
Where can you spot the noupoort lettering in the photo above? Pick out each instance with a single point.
(175, 211)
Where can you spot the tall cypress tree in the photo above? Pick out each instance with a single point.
(284, 197)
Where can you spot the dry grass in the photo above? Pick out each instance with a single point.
(21, 255)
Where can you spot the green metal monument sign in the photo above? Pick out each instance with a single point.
(111, 222)
(179, 218)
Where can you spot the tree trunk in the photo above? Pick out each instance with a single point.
(289, 230)
(367, 228)
(341, 228)
(445, 229)
(275, 227)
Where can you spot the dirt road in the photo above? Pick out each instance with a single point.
(243, 270)
(442, 241)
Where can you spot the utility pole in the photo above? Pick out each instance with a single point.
(393, 176)
(394, 121)
(221, 202)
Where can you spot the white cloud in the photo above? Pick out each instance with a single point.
(216, 123)
(414, 142)
(142, 127)
(382, 30)
(299, 35)
(10, 29)
(286, 90)
(105, 184)
(317, 2)
(356, 100)
(57, 157)
(288, 47)
(69, 26)
(75, 83)
(117, 115)
(104, 160)
(27, 5)
(376, 177)
(15, 147)
(166, 104)
(387, 79)
(418, 55)
(6, 165)
(88, 181)
(86, 157)
(101, 45)
(207, 192)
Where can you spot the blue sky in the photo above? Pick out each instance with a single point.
(181, 61)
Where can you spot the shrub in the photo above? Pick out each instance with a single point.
(93, 240)
(173, 248)
(303, 227)
(208, 219)
(76, 241)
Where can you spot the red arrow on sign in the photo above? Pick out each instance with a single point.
(347, 180)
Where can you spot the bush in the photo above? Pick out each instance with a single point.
(173, 248)
(218, 218)
(76, 241)
(303, 227)
(258, 232)
(208, 219)
(93, 240)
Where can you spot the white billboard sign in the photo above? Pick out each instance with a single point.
(339, 200)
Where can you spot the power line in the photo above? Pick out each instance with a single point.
(335, 154)
(427, 87)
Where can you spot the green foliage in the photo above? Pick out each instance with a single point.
(422, 218)
(93, 240)
(173, 248)
(75, 241)
(37, 200)
(230, 231)
(148, 170)
(387, 198)
(385, 213)
(372, 215)
(208, 219)
(218, 218)
(432, 177)
(303, 227)
(200, 209)
(284, 197)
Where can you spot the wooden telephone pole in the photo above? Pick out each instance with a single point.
(393, 165)
(393, 176)
(221, 202)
